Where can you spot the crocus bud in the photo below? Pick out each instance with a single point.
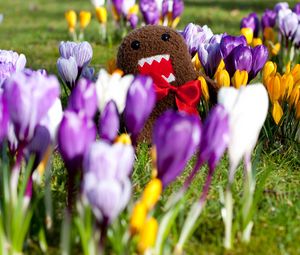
(83, 98)
(101, 15)
(109, 122)
(68, 71)
(215, 136)
(277, 112)
(71, 18)
(139, 104)
(248, 33)
(176, 136)
(83, 54)
(287, 22)
(268, 19)
(152, 193)
(148, 235)
(204, 88)
(106, 181)
(222, 78)
(84, 19)
(240, 78)
(138, 218)
(252, 22)
(72, 127)
(270, 68)
(66, 49)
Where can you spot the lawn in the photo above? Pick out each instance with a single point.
(36, 27)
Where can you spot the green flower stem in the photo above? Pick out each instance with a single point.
(227, 217)
(249, 188)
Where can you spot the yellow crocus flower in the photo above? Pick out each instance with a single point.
(101, 14)
(148, 235)
(221, 66)
(269, 34)
(196, 62)
(124, 139)
(274, 87)
(288, 68)
(296, 73)
(222, 78)
(204, 88)
(294, 97)
(256, 42)
(71, 18)
(133, 10)
(175, 22)
(248, 33)
(269, 69)
(240, 78)
(287, 82)
(277, 112)
(84, 19)
(138, 218)
(275, 49)
(298, 111)
(115, 13)
(152, 193)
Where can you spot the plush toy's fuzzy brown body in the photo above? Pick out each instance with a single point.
(160, 50)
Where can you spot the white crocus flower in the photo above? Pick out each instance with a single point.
(247, 108)
(112, 87)
(98, 3)
(126, 5)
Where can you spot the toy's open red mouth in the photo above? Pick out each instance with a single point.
(159, 65)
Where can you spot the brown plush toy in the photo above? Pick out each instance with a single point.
(161, 52)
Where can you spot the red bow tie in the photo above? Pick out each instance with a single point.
(187, 95)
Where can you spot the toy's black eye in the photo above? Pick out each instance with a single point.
(135, 45)
(165, 37)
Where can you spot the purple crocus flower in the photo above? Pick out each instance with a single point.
(259, 58)
(140, 102)
(178, 7)
(68, 71)
(210, 56)
(281, 6)
(10, 62)
(228, 43)
(215, 136)
(296, 9)
(251, 21)
(38, 145)
(133, 21)
(109, 122)
(106, 182)
(34, 94)
(176, 137)
(287, 22)
(3, 117)
(268, 19)
(240, 58)
(118, 5)
(75, 134)
(66, 49)
(150, 12)
(296, 40)
(84, 98)
(83, 54)
(194, 35)
(165, 8)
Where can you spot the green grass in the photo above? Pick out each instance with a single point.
(36, 27)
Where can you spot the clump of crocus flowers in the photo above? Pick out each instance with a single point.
(84, 21)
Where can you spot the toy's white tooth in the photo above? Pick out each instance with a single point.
(141, 62)
(165, 78)
(171, 78)
(158, 58)
(167, 57)
(149, 60)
